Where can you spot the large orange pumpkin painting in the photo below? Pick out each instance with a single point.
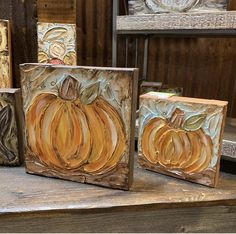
(74, 131)
(178, 146)
(69, 135)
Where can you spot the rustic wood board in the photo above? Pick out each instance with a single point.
(160, 6)
(175, 22)
(181, 136)
(59, 11)
(57, 43)
(5, 55)
(11, 153)
(149, 206)
(90, 109)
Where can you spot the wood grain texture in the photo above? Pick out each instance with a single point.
(94, 27)
(153, 201)
(54, 11)
(204, 219)
(231, 5)
(160, 6)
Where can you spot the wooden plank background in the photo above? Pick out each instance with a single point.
(204, 67)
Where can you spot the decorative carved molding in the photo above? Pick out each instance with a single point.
(137, 7)
(186, 21)
(229, 149)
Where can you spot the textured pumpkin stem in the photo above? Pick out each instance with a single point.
(69, 89)
(177, 119)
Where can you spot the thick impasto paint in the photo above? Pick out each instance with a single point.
(10, 153)
(5, 55)
(161, 6)
(57, 43)
(78, 123)
(181, 136)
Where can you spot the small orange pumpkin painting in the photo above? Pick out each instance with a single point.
(76, 130)
(176, 144)
(181, 136)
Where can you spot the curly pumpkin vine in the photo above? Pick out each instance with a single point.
(177, 143)
(78, 130)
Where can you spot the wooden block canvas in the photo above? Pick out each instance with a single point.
(147, 86)
(11, 152)
(80, 123)
(160, 6)
(5, 55)
(57, 43)
(181, 136)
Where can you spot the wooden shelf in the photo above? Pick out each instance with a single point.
(155, 203)
(200, 24)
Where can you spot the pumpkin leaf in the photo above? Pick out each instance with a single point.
(195, 122)
(54, 34)
(90, 93)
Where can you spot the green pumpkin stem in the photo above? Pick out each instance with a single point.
(69, 89)
(177, 119)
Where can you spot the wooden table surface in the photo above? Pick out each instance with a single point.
(155, 203)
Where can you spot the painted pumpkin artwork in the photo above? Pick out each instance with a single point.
(10, 134)
(69, 132)
(5, 55)
(179, 143)
(57, 43)
(75, 126)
